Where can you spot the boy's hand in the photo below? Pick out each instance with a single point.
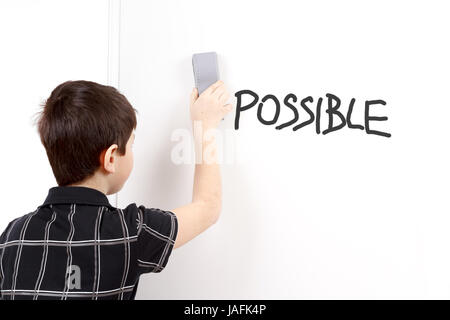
(210, 107)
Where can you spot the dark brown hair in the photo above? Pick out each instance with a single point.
(77, 122)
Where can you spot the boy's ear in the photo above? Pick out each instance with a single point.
(108, 160)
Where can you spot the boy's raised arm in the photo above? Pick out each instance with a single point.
(207, 110)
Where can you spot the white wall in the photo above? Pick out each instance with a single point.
(43, 43)
(346, 215)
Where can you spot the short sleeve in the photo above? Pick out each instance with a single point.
(157, 231)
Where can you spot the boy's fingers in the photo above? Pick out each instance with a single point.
(194, 95)
(227, 108)
(219, 91)
(214, 86)
(224, 96)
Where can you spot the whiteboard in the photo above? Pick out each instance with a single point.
(342, 215)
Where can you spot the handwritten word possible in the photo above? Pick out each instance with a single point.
(333, 103)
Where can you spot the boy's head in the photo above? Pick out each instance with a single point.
(87, 131)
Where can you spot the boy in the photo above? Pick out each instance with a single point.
(76, 245)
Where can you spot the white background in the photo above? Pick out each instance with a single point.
(345, 215)
(42, 44)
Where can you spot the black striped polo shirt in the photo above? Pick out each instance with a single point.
(77, 246)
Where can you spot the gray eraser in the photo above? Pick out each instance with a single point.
(206, 70)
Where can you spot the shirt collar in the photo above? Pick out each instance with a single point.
(76, 194)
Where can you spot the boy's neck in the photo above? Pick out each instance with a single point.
(89, 183)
